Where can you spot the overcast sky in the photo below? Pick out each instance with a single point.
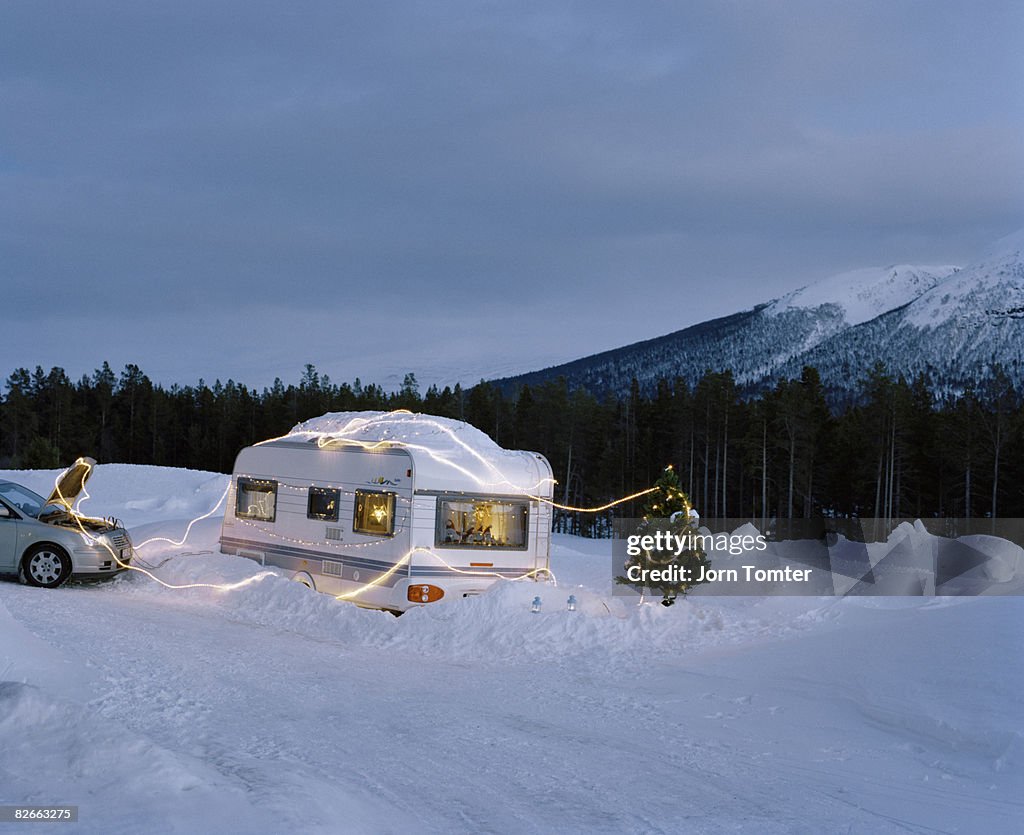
(235, 189)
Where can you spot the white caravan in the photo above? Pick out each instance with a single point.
(390, 509)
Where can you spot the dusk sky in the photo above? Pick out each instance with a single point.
(463, 189)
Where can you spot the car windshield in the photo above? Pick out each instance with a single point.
(22, 498)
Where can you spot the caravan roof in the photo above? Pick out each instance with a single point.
(447, 454)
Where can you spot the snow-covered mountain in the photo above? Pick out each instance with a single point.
(861, 295)
(955, 333)
(952, 324)
(989, 291)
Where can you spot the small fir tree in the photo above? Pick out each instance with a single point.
(668, 509)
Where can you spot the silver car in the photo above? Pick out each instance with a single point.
(46, 542)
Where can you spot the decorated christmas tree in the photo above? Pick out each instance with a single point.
(668, 510)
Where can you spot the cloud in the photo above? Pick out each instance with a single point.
(542, 156)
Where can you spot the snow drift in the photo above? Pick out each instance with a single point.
(270, 708)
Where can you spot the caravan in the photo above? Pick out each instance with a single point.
(390, 509)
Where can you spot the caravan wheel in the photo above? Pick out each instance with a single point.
(305, 578)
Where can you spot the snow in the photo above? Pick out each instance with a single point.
(447, 452)
(443, 434)
(863, 294)
(271, 708)
(1006, 559)
(136, 493)
(1009, 247)
(990, 289)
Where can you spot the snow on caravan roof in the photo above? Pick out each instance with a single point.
(448, 454)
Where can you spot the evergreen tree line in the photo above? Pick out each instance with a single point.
(778, 455)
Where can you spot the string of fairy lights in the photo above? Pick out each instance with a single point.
(116, 557)
(263, 529)
(342, 438)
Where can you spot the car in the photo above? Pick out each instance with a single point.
(46, 542)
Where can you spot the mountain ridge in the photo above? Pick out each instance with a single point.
(952, 324)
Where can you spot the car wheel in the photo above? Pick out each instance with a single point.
(46, 566)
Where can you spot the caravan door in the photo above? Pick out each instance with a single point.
(543, 552)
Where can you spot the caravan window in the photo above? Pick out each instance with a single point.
(323, 504)
(375, 513)
(256, 499)
(482, 523)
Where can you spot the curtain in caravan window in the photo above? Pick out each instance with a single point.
(482, 523)
(256, 499)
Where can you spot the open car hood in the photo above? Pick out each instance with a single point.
(71, 483)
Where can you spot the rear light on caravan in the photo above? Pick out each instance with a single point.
(424, 593)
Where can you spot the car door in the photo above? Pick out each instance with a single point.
(8, 538)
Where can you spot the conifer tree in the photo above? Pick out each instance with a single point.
(668, 510)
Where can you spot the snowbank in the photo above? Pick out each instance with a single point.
(59, 751)
(270, 708)
(136, 493)
(442, 448)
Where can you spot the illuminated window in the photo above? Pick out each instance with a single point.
(482, 523)
(256, 499)
(375, 513)
(323, 504)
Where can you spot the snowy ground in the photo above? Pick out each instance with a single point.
(274, 709)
